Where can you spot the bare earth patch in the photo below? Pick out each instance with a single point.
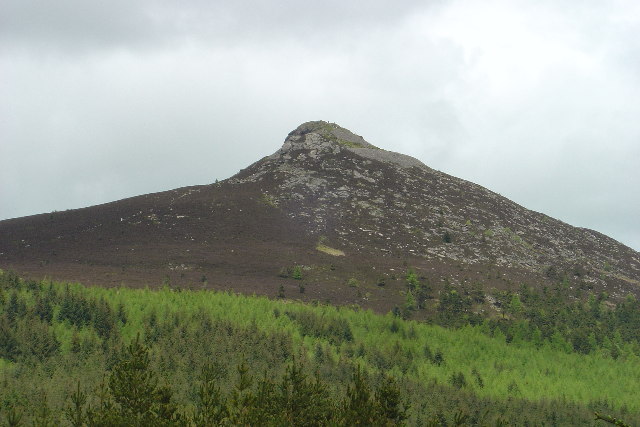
(330, 251)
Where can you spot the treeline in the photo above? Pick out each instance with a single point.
(88, 354)
(570, 320)
(27, 317)
(133, 396)
(583, 326)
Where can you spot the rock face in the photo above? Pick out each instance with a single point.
(320, 137)
(325, 192)
(384, 204)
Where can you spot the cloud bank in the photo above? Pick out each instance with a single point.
(535, 100)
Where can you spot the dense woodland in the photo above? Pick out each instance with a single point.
(74, 355)
(565, 314)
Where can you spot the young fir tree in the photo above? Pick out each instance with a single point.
(358, 407)
(134, 397)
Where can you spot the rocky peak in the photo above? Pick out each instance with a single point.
(366, 200)
(319, 133)
(320, 137)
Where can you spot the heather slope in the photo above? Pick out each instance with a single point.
(371, 212)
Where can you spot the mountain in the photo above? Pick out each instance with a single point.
(343, 217)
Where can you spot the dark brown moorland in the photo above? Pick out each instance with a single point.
(352, 217)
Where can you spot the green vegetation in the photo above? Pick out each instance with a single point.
(269, 200)
(566, 316)
(349, 144)
(515, 237)
(294, 272)
(132, 397)
(74, 355)
(326, 130)
(556, 317)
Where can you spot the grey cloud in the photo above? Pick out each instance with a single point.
(68, 26)
(75, 23)
(107, 100)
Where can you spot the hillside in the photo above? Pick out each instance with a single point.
(218, 355)
(342, 216)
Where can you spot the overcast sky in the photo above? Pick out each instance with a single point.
(537, 100)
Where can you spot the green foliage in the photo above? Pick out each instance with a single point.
(296, 273)
(365, 407)
(335, 330)
(133, 399)
(15, 308)
(301, 401)
(36, 339)
(103, 318)
(555, 318)
(359, 408)
(13, 417)
(409, 305)
(23, 334)
(454, 308)
(44, 308)
(75, 413)
(412, 279)
(210, 404)
(419, 291)
(438, 358)
(515, 306)
(478, 378)
(390, 403)
(43, 416)
(8, 341)
(131, 383)
(269, 200)
(134, 396)
(516, 369)
(611, 420)
(458, 380)
(75, 309)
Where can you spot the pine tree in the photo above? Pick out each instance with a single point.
(211, 406)
(8, 342)
(132, 384)
(133, 397)
(304, 402)
(43, 309)
(388, 399)
(75, 413)
(409, 305)
(16, 307)
(358, 408)
(242, 399)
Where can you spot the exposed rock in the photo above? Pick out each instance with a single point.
(324, 188)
